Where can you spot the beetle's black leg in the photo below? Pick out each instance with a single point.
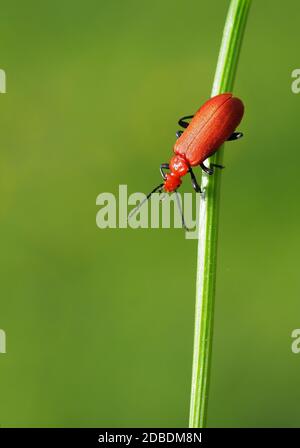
(163, 166)
(215, 165)
(210, 170)
(195, 184)
(180, 211)
(207, 170)
(183, 123)
(179, 133)
(235, 136)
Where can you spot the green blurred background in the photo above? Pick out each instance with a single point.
(99, 323)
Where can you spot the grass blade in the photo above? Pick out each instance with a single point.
(208, 222)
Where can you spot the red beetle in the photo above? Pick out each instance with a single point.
(213, 124)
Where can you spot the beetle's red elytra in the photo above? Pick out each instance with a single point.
(213, 124)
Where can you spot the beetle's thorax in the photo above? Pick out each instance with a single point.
(178, 166)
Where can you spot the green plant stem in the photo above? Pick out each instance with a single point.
(208, 223)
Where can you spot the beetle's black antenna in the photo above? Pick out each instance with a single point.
(181, 211)
(136, 209)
